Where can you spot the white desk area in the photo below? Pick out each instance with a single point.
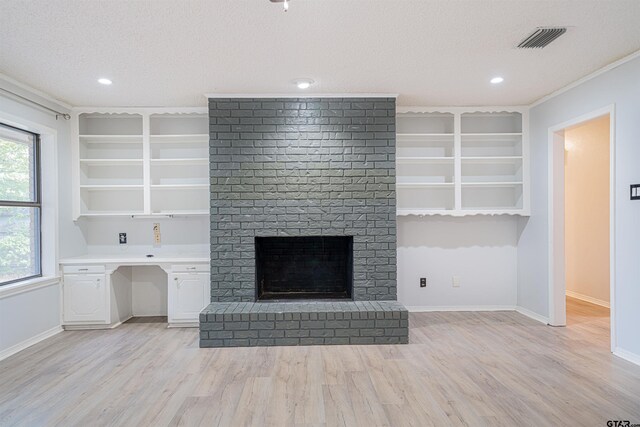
(97, 288)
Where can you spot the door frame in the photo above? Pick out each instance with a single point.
(557, 284)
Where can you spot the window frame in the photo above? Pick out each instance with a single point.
(37, 203)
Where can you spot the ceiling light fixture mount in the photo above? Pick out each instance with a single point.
(104, 81)
(303, 83)
(496, 80)
(285, 3)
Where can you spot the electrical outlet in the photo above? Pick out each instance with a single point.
(423, 282)
(156, 234)
(122, 238)
(455, 281)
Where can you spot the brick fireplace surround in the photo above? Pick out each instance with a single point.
(302, 167)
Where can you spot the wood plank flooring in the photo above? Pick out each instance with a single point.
(476, 369)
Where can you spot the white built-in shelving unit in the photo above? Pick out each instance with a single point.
(462, 161)
(139, 161)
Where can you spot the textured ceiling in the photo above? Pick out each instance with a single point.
(170, 52)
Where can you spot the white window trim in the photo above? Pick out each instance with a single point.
(49, 202)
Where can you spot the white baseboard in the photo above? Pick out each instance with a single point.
(587, 298)
(532, 315)
(29, 342)
(97, 326)
(627, 355)
(428, 308)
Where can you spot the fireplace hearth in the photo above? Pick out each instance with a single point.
(303, 268)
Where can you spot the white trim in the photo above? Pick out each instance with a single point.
(468, 109)
(557, 294)
(588, 299)
(627, 355)
(532, 315)
(27, 286)
(427, 308)
(29, 342)
(34, 91)
(141, 110)
(96, 326)
(514, 308)
(586, 78)
(301, 95)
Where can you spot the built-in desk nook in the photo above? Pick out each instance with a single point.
(98, 289)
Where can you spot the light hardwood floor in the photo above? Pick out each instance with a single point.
(496, 368)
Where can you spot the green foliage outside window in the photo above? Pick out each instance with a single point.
(17, 224)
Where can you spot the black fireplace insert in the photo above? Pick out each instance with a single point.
(317, 267)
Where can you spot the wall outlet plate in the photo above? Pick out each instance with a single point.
(122, 238)
(423, 282)
(455, 281)
(156, 234)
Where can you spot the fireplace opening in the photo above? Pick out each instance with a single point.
(289, 268)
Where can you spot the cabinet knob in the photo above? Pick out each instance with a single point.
(175, 278)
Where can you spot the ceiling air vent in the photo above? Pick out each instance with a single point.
(541, 37)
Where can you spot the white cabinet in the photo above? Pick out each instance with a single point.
(99, 295)
(462, 161)
(189, 293)
(141, 161)
(85, 298)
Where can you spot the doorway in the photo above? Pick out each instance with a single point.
(581, 232)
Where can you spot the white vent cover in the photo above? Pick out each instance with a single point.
(541, 37)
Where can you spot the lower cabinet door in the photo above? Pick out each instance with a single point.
(84, 298)
(188, 295)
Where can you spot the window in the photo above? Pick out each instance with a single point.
(19, 205)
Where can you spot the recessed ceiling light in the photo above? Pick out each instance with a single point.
(496, 80)
(303, 83)
(104, 81)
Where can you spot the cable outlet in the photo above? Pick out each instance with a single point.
(423, 282)
(455, 281)
(122, 238)
(156, 234)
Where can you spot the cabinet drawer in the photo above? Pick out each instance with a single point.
(190, 268)
(83, 269)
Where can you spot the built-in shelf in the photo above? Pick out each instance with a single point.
(424, 159)
(490, 184)
(115, 137)
(492, 159)
(491, 135)
(110, 162)
(112, 187)
(424, 184)
(141, 161)
(462, 161)
(171, 186)
(168, 138)
(188, 161)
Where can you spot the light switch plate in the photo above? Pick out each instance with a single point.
(455, 281)
(635, 191)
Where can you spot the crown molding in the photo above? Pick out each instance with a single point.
(33, 91)
(586, 78)
(300, 95)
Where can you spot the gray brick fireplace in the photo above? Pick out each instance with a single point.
(303, 167)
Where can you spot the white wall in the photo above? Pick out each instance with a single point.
(481, 250)
(178, 235)
(619, 86)
(27, 316)
(587, 210)
(149, 291)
